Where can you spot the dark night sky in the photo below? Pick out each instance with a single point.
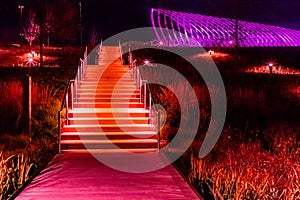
(112, 16)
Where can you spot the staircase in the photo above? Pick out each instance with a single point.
(108, 111)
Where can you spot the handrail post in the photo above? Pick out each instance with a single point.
(72, 93)
(145, 95)
(150, 109)
(81, 70)
(59, 132)
(158, 130)
(120, 52)
(67, 107)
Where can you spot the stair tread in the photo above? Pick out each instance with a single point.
(111, 133)
(108, 118)
(117, 150)
(110, 110)
(109, 141)
(107, 125)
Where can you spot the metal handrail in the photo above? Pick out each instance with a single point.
(144, 84)
(121, 54)
(71, 94)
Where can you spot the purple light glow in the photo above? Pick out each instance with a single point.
(186, 29)
(146, 62)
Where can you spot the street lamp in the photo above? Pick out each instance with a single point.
(21, 7)
(271, 67)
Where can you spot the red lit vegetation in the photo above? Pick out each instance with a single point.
(258, 154)
(23, 153)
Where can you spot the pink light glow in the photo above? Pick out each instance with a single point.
(271, 64)
(206, 31)
(30, 60)
(146, 62)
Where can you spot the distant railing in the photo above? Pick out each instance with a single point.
(145, 96)
(71, 94)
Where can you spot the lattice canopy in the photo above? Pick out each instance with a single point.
(187, 29)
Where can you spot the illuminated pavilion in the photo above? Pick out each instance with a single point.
(187, 29)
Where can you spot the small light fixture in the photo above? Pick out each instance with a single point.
(146, 62)
(211, 52)
(230, 42)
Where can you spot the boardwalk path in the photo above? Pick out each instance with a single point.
(81, 176)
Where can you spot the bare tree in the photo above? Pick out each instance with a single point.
(67, 25)
(49, 22)
(94, 38)
(31, 30)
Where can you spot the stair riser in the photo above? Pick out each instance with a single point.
(108, 72)
(80, 115)
(108, 75)
(108, 87)
(102, 137)
(107, 96)
(108, 100)
(108, 121)
(108, 79)
(113, 105)
(107, 129)
(104, 146)
(109, 91)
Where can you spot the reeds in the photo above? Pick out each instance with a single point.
(248, 173)
(14, 171)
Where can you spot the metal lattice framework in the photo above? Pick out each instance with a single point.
(186, 29)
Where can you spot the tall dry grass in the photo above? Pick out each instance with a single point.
(33, 149)
(10, 106)
(14, 171)
(249, 172)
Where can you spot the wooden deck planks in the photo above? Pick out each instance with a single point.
(81, 176)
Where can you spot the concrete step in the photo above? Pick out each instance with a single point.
(111, 90)
(108, 105)
(108, 135)
(108, 128)
(106, 151)
(108, 79)
(108, 120)
(108, 74)
(108, 100)
(108, 95)
(106, 114)
(119, 86)
(107, 144)
(103, 83)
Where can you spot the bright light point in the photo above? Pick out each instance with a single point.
(271, 64)
(230, 42)
(211, 52)
(30, 60)
(161, 43)
(146, 62)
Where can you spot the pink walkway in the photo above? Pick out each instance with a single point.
(81, 176)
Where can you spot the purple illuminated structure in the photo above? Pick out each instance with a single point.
(186, 29)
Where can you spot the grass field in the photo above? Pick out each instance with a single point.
(258, 153)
